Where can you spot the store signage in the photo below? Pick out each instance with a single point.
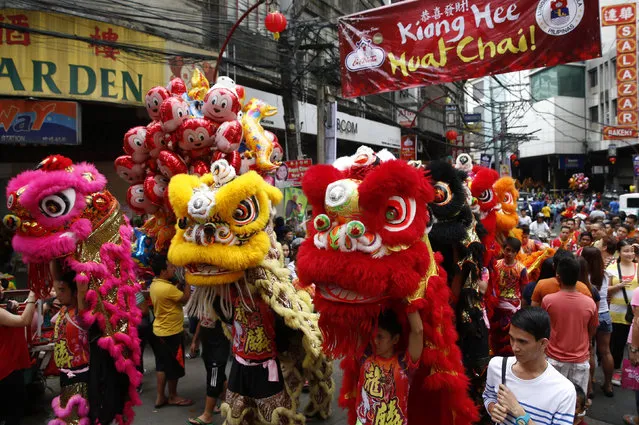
(616, 133)
(28, 122)
(405, 118)
(345, 126)
(485, 160)
(296, 171)
(408, 148)
(472, 118)
(417, 43)
(86, 65)
(624, 17)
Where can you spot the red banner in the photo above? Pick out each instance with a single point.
(408, 148)
(422, 42)
(616, 133)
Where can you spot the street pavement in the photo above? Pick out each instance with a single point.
(604, 411)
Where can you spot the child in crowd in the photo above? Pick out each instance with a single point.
(504, 298)
(580, 409)
(385, 376)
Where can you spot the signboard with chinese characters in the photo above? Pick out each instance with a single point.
(624, 17)
(296, 170)
(416, 43)
(83, 63)
(39, 122)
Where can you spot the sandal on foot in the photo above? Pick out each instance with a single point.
(197, 421)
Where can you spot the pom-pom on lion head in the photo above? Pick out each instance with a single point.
(508, 195)
(221, 223)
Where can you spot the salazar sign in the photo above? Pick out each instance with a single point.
(80, 61)
(421, 42)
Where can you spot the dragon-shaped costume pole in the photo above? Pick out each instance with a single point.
(368, 251)
(62, 211)
(226, 243)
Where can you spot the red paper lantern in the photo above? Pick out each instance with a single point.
(451, 135)
(275, 22)
(612, 160)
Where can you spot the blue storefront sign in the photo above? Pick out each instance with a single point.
(571, 162)
(28, 122)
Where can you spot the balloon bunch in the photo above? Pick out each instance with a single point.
(190, 129)
(578, 181)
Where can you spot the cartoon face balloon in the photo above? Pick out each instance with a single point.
(128, 170)
(134, 144)
(154, 99)
(195, 134)
(222, 102)
(155, 141)
(173, 112)
(138, 201)
(155, 188)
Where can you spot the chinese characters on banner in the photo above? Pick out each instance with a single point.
(624, 18)
(416, 43)
(10, 36)
(408, 147)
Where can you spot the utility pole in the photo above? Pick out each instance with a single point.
(289, 98)
(496, 139)
(321, 116)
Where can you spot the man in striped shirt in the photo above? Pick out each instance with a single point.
(526, 389)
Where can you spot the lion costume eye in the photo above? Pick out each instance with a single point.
(58, 204)
(246, 212)
(399, 214)
(508, 198)
(443, 194)
(486, 196)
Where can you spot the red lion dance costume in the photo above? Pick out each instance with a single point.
(62, 211)
(368, 251)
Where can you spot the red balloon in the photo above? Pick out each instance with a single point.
(170, 164)
(138, 201)
(134, 144)
(173, 112)
(176, 87)
(155, 188)
(229, 136)
(129, 170)
(451, 135)
(199, 167)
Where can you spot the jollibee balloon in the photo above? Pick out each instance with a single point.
(199, 167)
(154, 141)
(134, 144)
(155, 188)
(229, 136)
(154, 99)
(176, 87)
(196, 137)
(173, 112)
(138, 201)
(142, 248)
(129, 170)
(170, 164)
(223, 101)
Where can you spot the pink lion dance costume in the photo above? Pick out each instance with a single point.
(62, 211)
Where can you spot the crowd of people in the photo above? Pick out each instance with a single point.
(575, 316)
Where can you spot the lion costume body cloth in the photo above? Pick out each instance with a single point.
(62, 211)
(226, 244)
(368, 251)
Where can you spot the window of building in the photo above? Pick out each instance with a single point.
(592, 77)
(594, 114)
(563, 80)
(614, 111)
(613, 68)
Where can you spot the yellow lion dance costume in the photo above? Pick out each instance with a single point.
(225, 242)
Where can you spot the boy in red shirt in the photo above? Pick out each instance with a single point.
(505, 296)
(385, 376)
(573, 322)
